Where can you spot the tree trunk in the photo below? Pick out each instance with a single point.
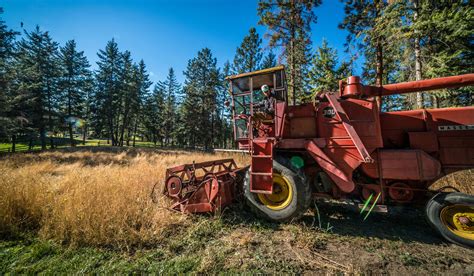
(51, 126)
(30, 144)
(212, 130)
(128, 137)
(69, 111)
(435, 101)
(50, 119)
(134, 132)
(419, 95)
(13, 143)
(112, 135)
(84, 134)
(166, 133)
(43, 137)
(291, 54)
(71, 135)
(379, 72)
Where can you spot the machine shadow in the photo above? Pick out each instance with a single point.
(406, 224)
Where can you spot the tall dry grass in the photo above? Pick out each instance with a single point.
(90, 197)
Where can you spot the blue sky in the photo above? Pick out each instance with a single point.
(164, 33)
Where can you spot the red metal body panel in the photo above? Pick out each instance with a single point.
(427, 141)
(300, 122)
(454, 128)
(341, 146)
(341, 178)
(403, 165)
(445, 133)
(280, 116)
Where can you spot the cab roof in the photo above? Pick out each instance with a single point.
(255, 73)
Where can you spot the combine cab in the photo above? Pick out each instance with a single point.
(341, 146)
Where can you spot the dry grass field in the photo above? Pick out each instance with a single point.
(89, 210)
(97, 197)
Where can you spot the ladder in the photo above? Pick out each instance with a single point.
(261, 169)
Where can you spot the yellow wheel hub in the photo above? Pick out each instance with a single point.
(459, 219)
(281, 196)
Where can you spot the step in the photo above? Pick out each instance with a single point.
(261, 192)
(261, 173)
(262, 156)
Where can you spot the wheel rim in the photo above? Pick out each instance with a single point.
(281, 196)
(459, 219)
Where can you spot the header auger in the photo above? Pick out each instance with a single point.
(342, 147)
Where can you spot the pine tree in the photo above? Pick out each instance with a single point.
(269, 61)
(154, 114)
(223, 113)
(440, 24)
(423, 29)
(361, 19)
(325, 73)
(172, 88)
(88, 108)
(39, 71)
(108, 92)
(8, 122)
(249, 55)
(74, 85)
(289, 23)
(143, 86)
(199, 106)
(127, 99)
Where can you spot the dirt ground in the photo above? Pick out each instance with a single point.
(397, 243)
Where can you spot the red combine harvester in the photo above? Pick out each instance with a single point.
(342, 147)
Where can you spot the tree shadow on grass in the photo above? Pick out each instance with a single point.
(92, 155)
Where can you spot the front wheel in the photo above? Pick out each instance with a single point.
(290, 199)
(452, 216)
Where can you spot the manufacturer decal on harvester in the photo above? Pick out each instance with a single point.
(329, 112)
(456, 127)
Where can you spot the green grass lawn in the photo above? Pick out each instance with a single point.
(204, 247)
(61, 142)
(236, 242)
(5, 147)
(31, 256)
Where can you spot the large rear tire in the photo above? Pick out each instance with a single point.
(452, 216)
(291, 197)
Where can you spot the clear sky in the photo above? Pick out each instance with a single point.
(164, 33)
